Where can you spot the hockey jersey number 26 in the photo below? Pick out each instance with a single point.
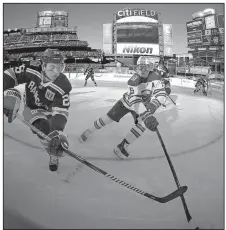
(51, 96)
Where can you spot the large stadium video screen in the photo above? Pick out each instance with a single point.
(60, 21)
(138, 34)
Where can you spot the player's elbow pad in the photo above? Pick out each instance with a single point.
(8, 82)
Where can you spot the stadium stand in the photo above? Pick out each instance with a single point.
(28, 44)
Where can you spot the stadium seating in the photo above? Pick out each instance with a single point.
(72, 37)
(26, 39)
(80, 67)
(41, 37)
(13, 38)
(36, 41)
(60, 37)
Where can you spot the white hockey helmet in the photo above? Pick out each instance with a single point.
(143, 65)
(143, 60)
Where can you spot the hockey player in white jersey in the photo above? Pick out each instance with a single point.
(146, 92)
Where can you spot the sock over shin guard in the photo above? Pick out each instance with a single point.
(135, 132)
(101, 122)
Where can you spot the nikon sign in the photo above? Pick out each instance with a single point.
(142, 49)
(137, 49)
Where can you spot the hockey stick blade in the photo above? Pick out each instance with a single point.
(171, 196)
(165, 199)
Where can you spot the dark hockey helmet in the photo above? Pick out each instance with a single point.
(52, 56)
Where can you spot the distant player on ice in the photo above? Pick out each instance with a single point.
(90, 74)
(166, 81)
(46, 100)
(146, 92)
(201, 84)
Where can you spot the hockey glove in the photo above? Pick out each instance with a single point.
(151, 107)
(58, 143)
(168, 91)
(150, 121)
(12, 99)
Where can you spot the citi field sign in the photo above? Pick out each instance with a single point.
(136, 12)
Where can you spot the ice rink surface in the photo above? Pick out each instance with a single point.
(78, 197)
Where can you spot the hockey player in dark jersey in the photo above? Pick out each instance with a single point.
(46, 100)
(145, 94)
(90, 74)
(165, 80)
(167, 84)
(165, 76)
(201, 85)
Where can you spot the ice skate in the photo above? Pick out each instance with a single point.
(121, 150)
(53, 163)
(86, 135)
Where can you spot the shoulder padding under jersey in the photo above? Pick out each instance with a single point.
(135, 80)
(33, 72)
(63, 83)
(154, 76)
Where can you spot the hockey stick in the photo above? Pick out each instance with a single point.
(165, 199)
(179, 108)
(174, 175)
(172, 100)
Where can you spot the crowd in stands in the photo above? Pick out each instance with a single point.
(16, 42)
(72, 37)
(80, 67)
(40, 37)
(18, 38)
(56, 37)
(45, 43)
(74, 54)
(12, 38)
